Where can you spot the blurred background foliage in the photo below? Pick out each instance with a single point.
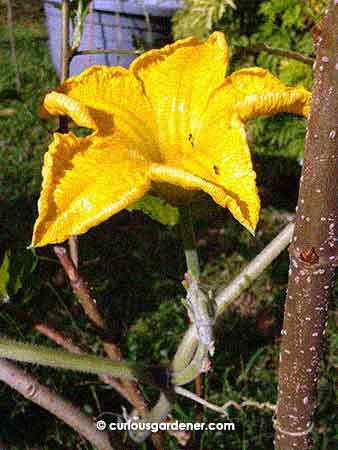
(284, 24)
(135, 265)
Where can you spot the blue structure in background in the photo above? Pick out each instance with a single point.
(113, 24)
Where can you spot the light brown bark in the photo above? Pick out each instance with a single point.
(313, 252)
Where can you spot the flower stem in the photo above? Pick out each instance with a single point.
(184, 362)
(189, 243)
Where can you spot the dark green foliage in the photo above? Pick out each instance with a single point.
(279, 23)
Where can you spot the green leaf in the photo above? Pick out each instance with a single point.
(23, 262)
(4, 277)
(16, 266)
(157, 209)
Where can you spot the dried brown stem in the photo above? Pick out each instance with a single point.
(31, 389)
(58, 338)
(82, 293)
(313, 252)
(88, 303)
(73, 244)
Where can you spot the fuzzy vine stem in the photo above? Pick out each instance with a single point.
(45, 356)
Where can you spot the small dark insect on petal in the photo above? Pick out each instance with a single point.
(190, 139)
(216, 170)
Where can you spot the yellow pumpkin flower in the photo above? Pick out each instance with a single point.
(172, 123)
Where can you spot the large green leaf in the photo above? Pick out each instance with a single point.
(157, 209)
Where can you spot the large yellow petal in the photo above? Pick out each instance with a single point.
(253, 92)
(107, 98)
(219, 151)
(265, 94)
(85, 181)
(178, 80)
(175, 185)
(221, 156)
(57, 104)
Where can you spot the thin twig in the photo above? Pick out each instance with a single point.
(58, 338)
(80, 288)
(103, 51)
(12, 44)
(68, 344)
(261, 47)
(223, 409)
(34, 391)
(64, 50)
(82, 293)
(73, 244)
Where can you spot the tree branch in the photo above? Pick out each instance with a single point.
(313, 253)
(31, 389)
